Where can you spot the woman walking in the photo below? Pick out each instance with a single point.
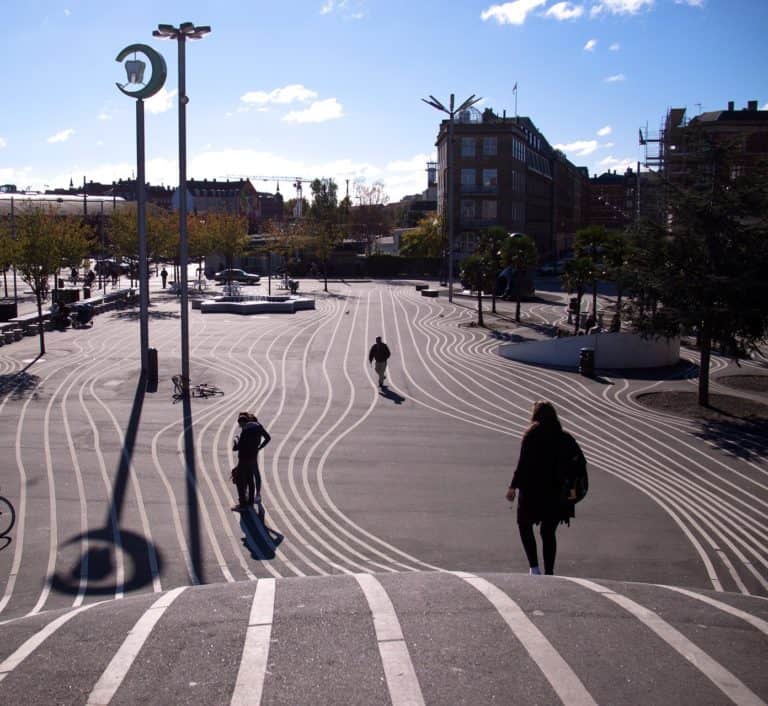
(539, 479)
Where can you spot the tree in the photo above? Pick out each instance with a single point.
(714, 279)
(518, 252)
(477, 270)
(589, 245)
(427, 239)
(8, 247)
(370, 217)
(39, 233)
(230, 234)
(616, 261)
(490, 247)
(323, 226)
(577, 274)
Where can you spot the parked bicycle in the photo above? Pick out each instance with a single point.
(7, 516)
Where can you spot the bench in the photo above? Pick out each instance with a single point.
(430, 293)
(421, 287)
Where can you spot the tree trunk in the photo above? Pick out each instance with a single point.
(40, 326)
(616, 324)
(704, 358)
(517, 306)
(577, 314)
(480, 307)
(594, 302)
(325, 272)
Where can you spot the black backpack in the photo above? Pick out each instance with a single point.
(572, 471)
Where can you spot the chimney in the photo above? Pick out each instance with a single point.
(730, 106)
(752, 105)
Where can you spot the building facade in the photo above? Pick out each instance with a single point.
(505, 173)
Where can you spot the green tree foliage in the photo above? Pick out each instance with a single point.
(8, 248)
(427, 239)
(323, 227)
(490, 247)
(617, 269)
(519, 252)
(477, 271)
(713, 281)
(229, 232)
(576, 276)
(590, 244)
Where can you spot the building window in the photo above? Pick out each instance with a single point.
(467, 208)
(467, 146)
(490, 210)
(468, 177)
(490, 146)
(490, 178)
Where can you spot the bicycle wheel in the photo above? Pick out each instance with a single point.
(7, 516)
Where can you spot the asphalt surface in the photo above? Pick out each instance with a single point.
(352, 587)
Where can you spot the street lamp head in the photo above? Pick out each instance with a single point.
(434, 103)
(135, 70)
(186, 30)
(468, 103)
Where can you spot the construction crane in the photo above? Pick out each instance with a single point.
(296, 182)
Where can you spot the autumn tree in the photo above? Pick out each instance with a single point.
(427, 239)
(229, 232)
(8, 248)
(323, 225)
(369, 217)
(39, 234)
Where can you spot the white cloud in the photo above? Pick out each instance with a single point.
(565, 11)
(104, 116)
(511, 13)
(615, 78)
(617, 163)
(608, 145)
(620, 7)
(615, 46)
(349, 9)
(67, 13)
(765, 107)
(690, 3)
(590, 45)
(286, 94)
(579, 148)
(161, 102)
(603, 131)
(318, 112)
(62, 136)
(3, 143)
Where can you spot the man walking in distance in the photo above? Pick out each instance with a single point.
(380, 353)
(253, 437)
(164, 275)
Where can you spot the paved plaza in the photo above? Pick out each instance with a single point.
(386, 567)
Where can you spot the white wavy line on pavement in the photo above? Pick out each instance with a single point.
(753, 620)
(555, 669)
(402, 682)
(249, 685)
(114, 674)
(31, 644)
(728, 683)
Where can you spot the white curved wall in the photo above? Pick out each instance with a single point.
(612, 350)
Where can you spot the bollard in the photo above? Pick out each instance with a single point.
(587, 362)
(152, 369)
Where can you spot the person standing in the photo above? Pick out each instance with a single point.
(380, 353)
(540, 483)
(164, 276)
(253, 437)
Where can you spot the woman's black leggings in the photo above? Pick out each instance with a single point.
(548, 542)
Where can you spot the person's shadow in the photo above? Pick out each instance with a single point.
(390, 394)
(260, 540)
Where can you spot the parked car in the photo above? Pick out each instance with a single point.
(236, 275)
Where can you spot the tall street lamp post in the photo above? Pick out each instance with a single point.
(135, 71)
(186, 30)
(450, 112)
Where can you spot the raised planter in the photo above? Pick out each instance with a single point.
(8, 309)
(421, 287)
(430, 293)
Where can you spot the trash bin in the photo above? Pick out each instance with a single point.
(8, 309)
(587, 362)
(152, 369)
(86, 292)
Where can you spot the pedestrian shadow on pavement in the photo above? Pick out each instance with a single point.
(260, 540)
(95, 572)
(389, 394)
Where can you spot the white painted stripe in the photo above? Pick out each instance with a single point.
(729, 684)
(753, 620)
(253, 663)
(402, 682)
(556, 670)
(110, 680)
(28, 647)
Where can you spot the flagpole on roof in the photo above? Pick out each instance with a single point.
(514, 90)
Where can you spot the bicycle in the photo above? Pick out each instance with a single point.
(206, 390)
(7, 516)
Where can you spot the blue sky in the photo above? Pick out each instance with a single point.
(331, 88)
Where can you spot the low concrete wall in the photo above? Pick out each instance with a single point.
(266, 305)
(612, 350)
